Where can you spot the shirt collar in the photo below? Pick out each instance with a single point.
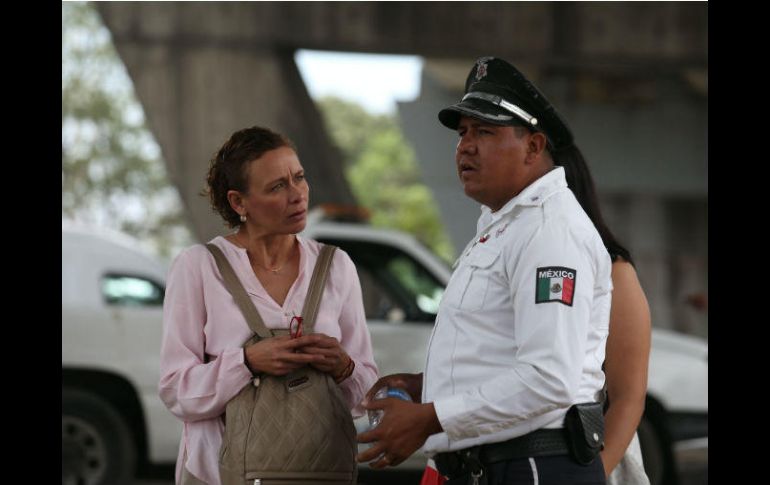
(533, 195)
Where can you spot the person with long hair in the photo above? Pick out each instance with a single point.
(628, 343)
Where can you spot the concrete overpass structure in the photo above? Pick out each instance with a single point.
(632, 78)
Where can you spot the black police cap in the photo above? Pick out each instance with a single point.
(497, 93)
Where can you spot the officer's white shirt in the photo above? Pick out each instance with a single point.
(500, 365)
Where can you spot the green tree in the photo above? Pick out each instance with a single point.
(382, 170)
(113, 175)
(112, 172)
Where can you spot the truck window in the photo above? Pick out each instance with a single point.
(127, 290)
(395, 286)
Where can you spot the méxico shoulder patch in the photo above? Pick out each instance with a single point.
(555, 283)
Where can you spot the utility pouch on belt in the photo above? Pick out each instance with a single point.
(585, 431)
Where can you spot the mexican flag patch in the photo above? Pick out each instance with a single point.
(555, 283)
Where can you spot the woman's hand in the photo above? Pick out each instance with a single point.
(279, 355)
(333, 358)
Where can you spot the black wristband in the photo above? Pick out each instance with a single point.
(246, 363)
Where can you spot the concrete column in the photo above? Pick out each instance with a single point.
(643, 227)
(197, 91)
(688, 223)
(668, 239)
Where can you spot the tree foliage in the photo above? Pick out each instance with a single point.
(382, 170)
(112, 172)
(113, 175)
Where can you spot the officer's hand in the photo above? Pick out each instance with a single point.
(404, 428)
(411, 383)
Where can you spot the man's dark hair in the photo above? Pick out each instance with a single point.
(229, 167)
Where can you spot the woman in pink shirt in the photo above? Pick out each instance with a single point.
(257, 184)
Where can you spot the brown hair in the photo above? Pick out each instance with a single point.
(229, 166)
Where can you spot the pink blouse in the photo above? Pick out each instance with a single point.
(200, 316)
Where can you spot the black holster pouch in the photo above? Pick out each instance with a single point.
(584, 424)
(461, 463)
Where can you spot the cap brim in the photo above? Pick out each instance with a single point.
(476, 108)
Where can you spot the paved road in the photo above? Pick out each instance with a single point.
(694, 471)
(380, 478)
(692, 463)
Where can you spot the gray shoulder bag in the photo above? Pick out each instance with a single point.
(289, 430)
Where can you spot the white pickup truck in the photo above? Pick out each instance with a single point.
(113, 422)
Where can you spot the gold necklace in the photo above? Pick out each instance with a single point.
(272, 270)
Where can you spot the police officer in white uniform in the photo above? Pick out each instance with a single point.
(520, 334)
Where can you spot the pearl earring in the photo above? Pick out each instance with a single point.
(243, 217)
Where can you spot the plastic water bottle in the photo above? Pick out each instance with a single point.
(375, 415)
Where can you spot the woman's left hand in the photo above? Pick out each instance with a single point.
(335, 358)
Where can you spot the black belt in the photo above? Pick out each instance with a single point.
(542, 442)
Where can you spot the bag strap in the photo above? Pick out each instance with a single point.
(235, 287)
(316, 288)
(253, 318)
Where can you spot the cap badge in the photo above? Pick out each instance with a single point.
(481, 69)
